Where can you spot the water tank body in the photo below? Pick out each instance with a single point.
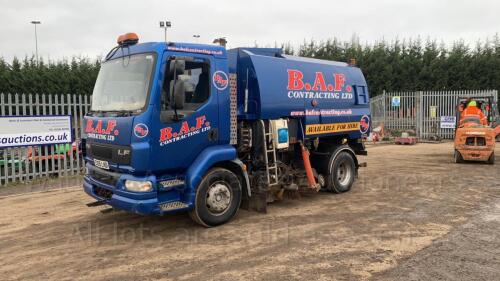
(328, 97)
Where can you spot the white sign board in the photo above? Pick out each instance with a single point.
(34, 130)
(448, 122)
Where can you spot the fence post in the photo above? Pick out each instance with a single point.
(384, 108)
(420, 114)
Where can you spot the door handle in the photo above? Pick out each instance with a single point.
(213, 134)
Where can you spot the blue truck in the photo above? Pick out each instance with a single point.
(178, 127)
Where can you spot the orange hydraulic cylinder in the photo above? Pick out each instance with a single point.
(307, 165)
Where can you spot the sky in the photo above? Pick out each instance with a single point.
(89, 28)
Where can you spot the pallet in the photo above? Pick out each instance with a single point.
(407, 140)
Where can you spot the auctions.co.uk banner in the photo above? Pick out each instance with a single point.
(34, 130)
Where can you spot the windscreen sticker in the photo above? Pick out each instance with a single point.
(141, 130)
(364, 124)
(195, 50)
(220, 80)
(170, 135)
(316, 129)
(322, 112)
(321, 88)
(101, 130)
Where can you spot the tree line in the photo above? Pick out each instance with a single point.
(414, 64)
(75, 76)
(398, 65)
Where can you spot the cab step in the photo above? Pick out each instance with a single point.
(96, 203)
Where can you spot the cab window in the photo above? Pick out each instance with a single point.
(186, 87)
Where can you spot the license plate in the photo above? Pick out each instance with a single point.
(101, 164)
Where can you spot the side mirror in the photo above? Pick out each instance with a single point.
(179, 95)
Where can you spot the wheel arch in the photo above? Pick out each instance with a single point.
(206, 160)
(223, 156)
(345, 148)
(331, 150)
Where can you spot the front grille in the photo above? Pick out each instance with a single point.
(106, 178)
(102, 152)
(103, 192)
(118, 154)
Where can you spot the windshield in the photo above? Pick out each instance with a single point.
(123, 83)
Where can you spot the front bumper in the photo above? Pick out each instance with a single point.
(147, 203)
(143, 207)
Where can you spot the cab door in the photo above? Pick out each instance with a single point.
(184, 127)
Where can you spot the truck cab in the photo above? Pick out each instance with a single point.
(168, 132)
(135, 127)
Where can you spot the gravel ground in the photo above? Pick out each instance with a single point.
(412, 215)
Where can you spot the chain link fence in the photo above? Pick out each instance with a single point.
(421, 111)
(24, 164)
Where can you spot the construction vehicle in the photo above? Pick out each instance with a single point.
(177, 127)
(475, 138)
(496, 122)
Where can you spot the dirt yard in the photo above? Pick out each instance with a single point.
(412, 215)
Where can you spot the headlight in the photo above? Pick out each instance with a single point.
(138, 186)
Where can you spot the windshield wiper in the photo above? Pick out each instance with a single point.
(95, 112)
(122, 113)
(115, 113)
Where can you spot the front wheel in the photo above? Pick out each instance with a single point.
(458, 157)
(342, 172)
(217, 199)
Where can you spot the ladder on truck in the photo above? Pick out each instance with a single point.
(269, 150)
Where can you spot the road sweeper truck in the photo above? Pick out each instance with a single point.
(177, 127)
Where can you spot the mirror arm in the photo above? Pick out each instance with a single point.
(173, 90)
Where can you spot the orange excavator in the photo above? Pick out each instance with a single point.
(474, 134)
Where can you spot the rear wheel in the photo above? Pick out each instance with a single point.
(458, 157)
(491, 160)
(217, 199)
(342, 172)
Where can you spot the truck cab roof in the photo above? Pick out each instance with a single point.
(159, 47)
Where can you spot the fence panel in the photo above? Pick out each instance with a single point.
(23, 164)
(420, 111)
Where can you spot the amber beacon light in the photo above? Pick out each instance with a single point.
(127, 39)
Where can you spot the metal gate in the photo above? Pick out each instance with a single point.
(420, 111)
(23, 164)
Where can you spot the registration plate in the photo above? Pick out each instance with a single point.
(101, 164)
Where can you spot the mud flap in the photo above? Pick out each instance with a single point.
(257, 202)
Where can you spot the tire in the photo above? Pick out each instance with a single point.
(224, 185)
(342, 172)
(491, 160)
(458, 157)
